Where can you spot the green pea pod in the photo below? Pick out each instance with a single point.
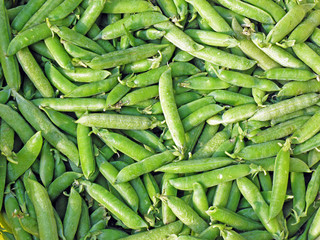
(40, 122)
(72, 215)
(247, 10)
(61, 183)
(210, 178)
(146, 165)
(114, 205)
(286, 106)
(170, 110)
(124, 189)
(131, 23)
(25, 157)
(9, 63)
(125, 56)
(35, 34)
(288, 22)
(85, 147)
(254, 197)
(185, 213)
(281, 174)
(10, 205)
(58, 52)
(44, 210)
(16, 122)
(34, 72)
(62, 121)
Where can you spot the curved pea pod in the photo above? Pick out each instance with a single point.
(25, 157)
(233, 219)
(131, 23)
(72, 105)
(296, 165)
(41, 123)
(117, 121)
(286, 106)
(211, 38)
(260, 150)
(62, 121)
(288, 22)
(57, 79)
(123, 144)
(61, 183)
(125, 56)
(280, 130)
(196, 165)
(9, 63)
(114, 205)
(212, 178)
(289, 74)
(125, 189)
(146, 137)
(44, 210)
(78, 52)
(144, 166)
(247, 81)
(252, 194)
(312, 189)
(185, 213)
(28, 223)
(46, 168)
(204, 83)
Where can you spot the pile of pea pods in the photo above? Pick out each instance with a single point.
(159, 119)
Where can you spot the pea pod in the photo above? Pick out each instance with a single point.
(44, 210)
(25, 157)
(9, 63)
(114, 205)
(40, 122)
